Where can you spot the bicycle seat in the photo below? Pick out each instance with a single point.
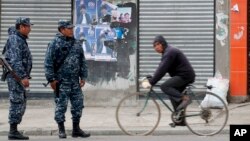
(190, 85)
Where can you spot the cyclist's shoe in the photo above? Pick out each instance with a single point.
(178, 119)
(186, 100)
(177, 124)
(172, 124)
(181, 124)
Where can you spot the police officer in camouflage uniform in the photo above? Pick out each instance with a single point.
(18, 55)
(66, 71)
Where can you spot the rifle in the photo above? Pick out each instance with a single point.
(57, 88)
(58, 65)
(7, 69)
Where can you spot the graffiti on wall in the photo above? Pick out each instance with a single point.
(239, 34)
(221, 28)
(108, 31)
(238, 31)
(221, 24)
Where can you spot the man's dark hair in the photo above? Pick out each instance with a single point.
(18, 26)
(164, 43)
(60, 28)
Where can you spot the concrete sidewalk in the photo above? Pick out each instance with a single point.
(39, 119)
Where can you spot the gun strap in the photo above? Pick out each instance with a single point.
(63, 59)
(61, 62)
(4, 74)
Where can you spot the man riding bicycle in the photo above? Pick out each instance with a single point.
(175, 63)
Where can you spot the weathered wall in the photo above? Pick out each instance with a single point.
(230, 46)
(222, 46)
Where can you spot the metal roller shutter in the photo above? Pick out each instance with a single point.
(186, 24)
(45, 15)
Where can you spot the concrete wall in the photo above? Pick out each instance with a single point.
(110, 87)
(222, 46)
(224, 52)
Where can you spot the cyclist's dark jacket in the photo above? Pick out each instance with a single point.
(175, 63)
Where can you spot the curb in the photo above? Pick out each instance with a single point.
(41, 132)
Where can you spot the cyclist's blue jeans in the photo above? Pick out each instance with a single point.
(173, 87)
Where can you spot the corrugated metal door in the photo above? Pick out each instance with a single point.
(186, 24)
(45, 15)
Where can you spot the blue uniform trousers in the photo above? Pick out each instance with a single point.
(17, 101)
(69, 92)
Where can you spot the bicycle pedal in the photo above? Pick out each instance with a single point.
(172, 125)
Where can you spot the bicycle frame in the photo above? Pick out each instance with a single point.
(152, 93)
(194, 116)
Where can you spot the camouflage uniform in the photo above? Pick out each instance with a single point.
(72, 68)
(19, 57)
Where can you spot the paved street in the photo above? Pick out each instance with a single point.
(39, 120)
(132, 138)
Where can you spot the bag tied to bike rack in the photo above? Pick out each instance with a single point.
(220, 87)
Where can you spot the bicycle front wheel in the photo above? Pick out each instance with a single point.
(137, 115)
(206, 117)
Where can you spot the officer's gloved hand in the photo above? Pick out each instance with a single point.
(145, 84)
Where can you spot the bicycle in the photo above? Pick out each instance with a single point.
(145, 113)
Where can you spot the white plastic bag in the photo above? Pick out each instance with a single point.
(220, 88)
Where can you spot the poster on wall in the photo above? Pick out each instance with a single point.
(92, 19)
(87, 33)
(85, 11)
(108, 29)
(103, 34)
(124, 14)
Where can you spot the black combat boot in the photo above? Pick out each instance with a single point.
(14, 134)
(77, 131)
(61, 128)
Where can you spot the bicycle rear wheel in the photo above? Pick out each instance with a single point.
(138, 116)
(204, 119)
